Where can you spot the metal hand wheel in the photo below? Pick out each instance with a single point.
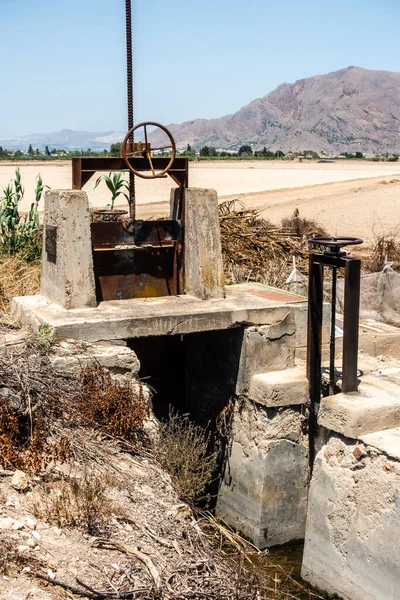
(335, 244)
(143, 150)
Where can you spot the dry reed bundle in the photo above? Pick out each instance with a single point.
(255, 250)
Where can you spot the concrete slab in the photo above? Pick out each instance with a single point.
(375, 407)
(140, 317)
(280, 388)
(386, 441)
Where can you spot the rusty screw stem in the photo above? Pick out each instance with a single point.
(129, 73)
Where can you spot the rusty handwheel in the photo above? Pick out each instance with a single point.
(143, 149)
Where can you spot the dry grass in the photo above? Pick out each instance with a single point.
(74, 501)
(31, 400)
(184, 451)
(17, 278)
(384, 249)
(254, 250)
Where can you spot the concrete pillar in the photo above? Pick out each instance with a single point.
(202, 246)
(67, 263)
(264, 488)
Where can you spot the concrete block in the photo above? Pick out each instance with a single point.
(353, 523)
(267, 348)
(67, 276)
(70, 357)
(280, 388)
(376, 406)
(263, 493)
(204, 274)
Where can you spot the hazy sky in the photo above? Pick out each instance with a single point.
(62, 63)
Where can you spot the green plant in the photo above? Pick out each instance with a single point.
(44, 338)
(184, 451)
(20, 233)
(117, 186)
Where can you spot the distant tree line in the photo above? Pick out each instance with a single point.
(245, 151)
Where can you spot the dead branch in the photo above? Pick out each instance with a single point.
(132, 551)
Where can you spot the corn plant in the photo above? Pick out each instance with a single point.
(20, 233)
(117, 186)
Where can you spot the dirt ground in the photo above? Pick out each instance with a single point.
(347, 198)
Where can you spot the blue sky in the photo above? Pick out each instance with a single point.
(62, 64)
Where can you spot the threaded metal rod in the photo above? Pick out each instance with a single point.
(129, 80)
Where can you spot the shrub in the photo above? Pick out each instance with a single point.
(114, 407)
(184, 451)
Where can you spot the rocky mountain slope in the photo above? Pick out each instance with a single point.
(347, 110)
(353, 109)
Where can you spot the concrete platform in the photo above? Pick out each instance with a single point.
(375, 407)
(140, 317)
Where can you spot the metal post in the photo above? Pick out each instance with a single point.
(350, 324)
(129, 78)
(333, 332)
(314, 344)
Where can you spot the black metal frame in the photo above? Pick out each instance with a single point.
(352, 273)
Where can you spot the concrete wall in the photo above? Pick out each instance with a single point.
(353, 524)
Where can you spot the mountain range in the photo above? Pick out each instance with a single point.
(353, 109)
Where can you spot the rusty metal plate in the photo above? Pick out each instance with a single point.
(140, 272)
(110, 234)
(51, 243)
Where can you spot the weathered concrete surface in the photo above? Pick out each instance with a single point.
(70, 357)
(376, 406)
(301, 320)
(263, 493)
(353, 523)
(280, 388)
(267, 348)
(204, 273)
(387, 441)
(140, 317)
(68, 279)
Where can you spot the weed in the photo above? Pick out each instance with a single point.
(110, 405)
(75, 501)
(20, 234)
(44, 338)
(184, 451)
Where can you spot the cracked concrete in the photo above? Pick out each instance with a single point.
(353, 522)
(264, 489)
